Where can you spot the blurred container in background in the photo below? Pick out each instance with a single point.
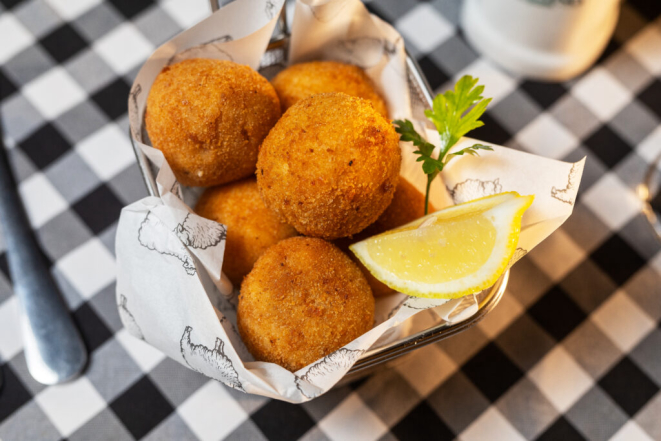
(552, 40)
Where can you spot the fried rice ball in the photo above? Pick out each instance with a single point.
(305, 79)
(330, 166)
(251, 227)
(209, 117)
(303, 300)
(408, 204)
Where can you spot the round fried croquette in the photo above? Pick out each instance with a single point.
(408, 204)
(251, 227)
(209, 117)
(306, 79)
(330, 166)
(303, 300)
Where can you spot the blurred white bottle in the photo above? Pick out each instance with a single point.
(552, 40)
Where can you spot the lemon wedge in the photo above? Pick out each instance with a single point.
(451, 253)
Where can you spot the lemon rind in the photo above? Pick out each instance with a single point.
(505, 246)
(480, 204)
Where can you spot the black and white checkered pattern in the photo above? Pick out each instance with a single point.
(573, 351)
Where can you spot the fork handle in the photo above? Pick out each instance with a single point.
(54, 349)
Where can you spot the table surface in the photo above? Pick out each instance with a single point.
(573, 350)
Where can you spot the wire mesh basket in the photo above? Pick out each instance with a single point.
(421, 329)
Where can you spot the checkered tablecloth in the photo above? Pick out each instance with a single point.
(573, 351)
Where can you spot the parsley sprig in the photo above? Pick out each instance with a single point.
(451, 115)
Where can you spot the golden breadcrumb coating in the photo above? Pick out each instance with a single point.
(251, 227)
(303, 300)
(209, 117)
(306, 79)
(330, 166)
(408, 204)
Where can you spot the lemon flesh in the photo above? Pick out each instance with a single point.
(451, 253)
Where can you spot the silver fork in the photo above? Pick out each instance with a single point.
(54, 350)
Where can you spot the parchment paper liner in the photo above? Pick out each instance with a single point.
(170, 289)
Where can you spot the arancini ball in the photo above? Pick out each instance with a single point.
(303, 300)
(251, 227)
(330, 166)
(209, 117)
(302, 80)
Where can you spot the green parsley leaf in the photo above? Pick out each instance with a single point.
(448, 110)
(451, 115)
(472, 150)
(407, 133)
